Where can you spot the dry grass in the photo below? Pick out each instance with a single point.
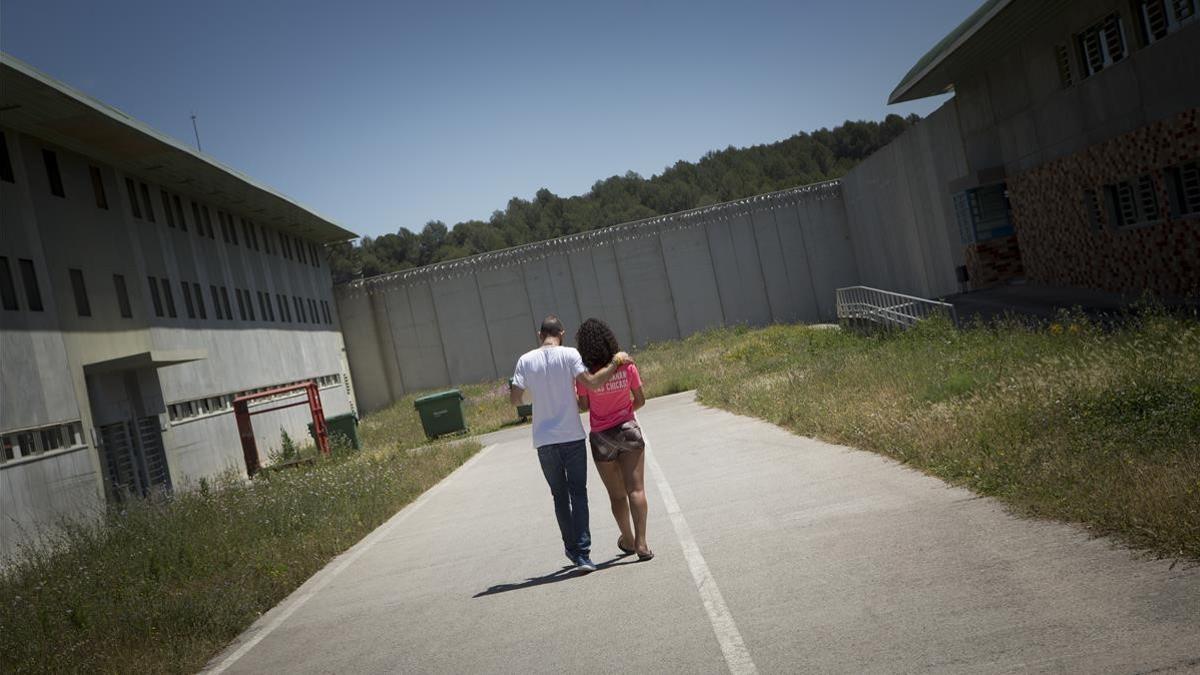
(162, 586)
(1072, 421)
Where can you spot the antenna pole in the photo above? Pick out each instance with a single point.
(196, 131)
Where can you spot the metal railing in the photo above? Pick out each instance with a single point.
(857, 304)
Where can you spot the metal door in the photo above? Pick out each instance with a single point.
(134, 459)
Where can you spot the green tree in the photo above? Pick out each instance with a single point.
(720, 175)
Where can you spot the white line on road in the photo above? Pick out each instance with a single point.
(322, 579)
(737, 657)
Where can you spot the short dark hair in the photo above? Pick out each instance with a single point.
(552, 326)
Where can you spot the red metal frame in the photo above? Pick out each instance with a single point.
(242, 412)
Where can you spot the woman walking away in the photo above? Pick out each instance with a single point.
(616, 438)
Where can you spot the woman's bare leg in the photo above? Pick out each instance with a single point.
(633, 473)
(610, 473)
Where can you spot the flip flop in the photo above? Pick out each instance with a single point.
(648, 555)
(626, 551)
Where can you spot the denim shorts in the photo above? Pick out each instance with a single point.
(611, 442)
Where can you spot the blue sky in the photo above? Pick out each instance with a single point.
(387, 114)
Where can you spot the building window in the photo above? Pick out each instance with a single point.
(225, 303)
(312, 310)
(266, 239)
(6, 168)
(98, 188)
(82, 306)
(325, 310)
(8, 291)
(33, 292)
(1132, 202)
(33, 442)
(299, 307)
(1160, 18)
(169, 297)
(52, 439)
(216, 300)
(196, 219)
(232, 230)
(199, 300)
(133, 198)
(208, 223)
(1062, 61)
(282, 307)
(1091, 207)
(983, 213)
(146, 205)
(223, 226)
(237, 292)
(52, 173)
(122, 296)
(1102, 45)
(154, 296)
(262, 306)
(187, 300)
(166, 202)
(178, 212)
(1185, 189)
(249, 305)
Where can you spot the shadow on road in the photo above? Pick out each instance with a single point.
(563, 574)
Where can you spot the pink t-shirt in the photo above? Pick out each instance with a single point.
(612, 405)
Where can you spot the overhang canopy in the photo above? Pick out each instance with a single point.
(155, 358)
(34, 103)
(988, 34)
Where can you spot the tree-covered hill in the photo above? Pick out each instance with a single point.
(719, 176)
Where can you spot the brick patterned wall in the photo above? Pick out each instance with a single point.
(1060, 246)
(993, 262)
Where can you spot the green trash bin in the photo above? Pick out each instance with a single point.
(344, 425)
(441, 413)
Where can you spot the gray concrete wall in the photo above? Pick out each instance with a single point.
(48, 356)
(900, 211)
(1015, 113)
(207, 446)
(771, 258)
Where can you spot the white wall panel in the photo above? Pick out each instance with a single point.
(648, 290)
(506, 307)
(693, 281)
(464, 330)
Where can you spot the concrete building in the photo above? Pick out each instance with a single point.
(1079, 127)
(142, 287)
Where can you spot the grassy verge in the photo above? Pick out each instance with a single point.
(1073, 422)
(162, 586)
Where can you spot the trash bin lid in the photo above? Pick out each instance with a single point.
(440, 396)
(343, 416)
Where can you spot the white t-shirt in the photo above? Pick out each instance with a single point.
(548, 374)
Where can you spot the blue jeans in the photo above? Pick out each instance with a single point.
(565, 468)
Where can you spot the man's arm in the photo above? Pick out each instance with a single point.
(516, 395)
(597, 379)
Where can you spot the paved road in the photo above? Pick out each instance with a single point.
(775, 553)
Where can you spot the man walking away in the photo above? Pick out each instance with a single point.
(549, 373)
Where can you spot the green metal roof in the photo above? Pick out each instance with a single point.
(908, 89)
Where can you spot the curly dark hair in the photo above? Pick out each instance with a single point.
(596, 344)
